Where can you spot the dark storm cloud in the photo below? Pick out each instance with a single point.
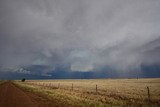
(80, 35)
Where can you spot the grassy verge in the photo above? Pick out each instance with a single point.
(74, 98)
(62, 98)
(2, 81)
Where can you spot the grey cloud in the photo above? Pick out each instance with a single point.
(78, 34)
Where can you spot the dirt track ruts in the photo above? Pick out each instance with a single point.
(13, 96)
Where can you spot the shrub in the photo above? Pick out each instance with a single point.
(23, 79)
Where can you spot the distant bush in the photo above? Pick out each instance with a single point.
(23, 79)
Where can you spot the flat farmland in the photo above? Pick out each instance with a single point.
(98, 92)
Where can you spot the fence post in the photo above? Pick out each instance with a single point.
(148, 91)
(72, 86)
(49, 85)
(96, 88)
(58, 85)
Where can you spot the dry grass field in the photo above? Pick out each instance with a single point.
(99, 92)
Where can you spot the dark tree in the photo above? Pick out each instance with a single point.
(23, 79)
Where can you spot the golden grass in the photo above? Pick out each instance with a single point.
(2, 81)
(116, 92)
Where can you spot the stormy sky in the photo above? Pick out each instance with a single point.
(80, 35)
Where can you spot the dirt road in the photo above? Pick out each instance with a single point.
(13, 96)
